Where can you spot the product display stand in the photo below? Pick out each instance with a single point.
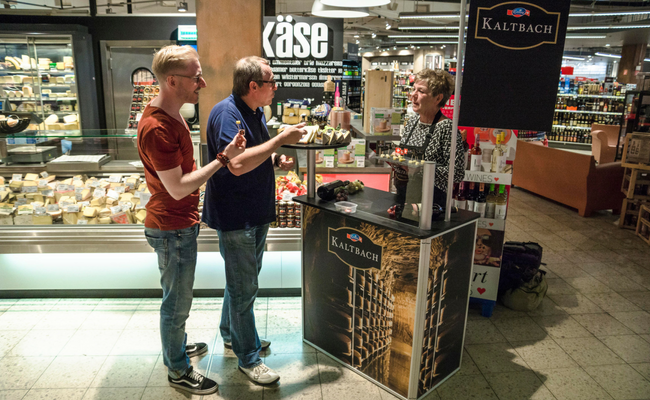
(311, 162)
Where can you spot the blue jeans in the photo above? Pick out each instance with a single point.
(176, 250)
(242, 252)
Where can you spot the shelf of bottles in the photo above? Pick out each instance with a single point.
(531, 136)
(145, 89)
(38, 75)
(352, 81)
(401, 91)
(374, 307)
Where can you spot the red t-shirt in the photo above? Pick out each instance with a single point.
(164, 143)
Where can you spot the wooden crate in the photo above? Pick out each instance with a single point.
(632, 178)
(630, 213)
(643, 224)
(635, 149)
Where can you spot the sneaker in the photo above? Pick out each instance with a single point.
(265, 344)
(194, 383)
(196, 349)
(261, 374)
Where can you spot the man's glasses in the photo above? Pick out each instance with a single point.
(196, 79)
(272, 82)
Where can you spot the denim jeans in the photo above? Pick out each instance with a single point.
(176, 250)
(242, 252)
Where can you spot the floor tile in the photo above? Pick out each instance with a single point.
(589, 351)
(354, 390)
(547, 307)
(299, 391)
(42, 343)
(543, 354)
(641, 299)
(558, 286)
(612, 302)
(109, 319)
(285, 303)
(62, 320)
(19, 320)
(137, 342)
(631, 348)
(520, 328)
(229, 392)
(575, 303)
(464, 387)
(638, 321)
(55, 394)
(203, 319)
(602, 325)
(295, 368)
(9, 339)
(125, 371)
(225, 370)
(482, 331)
(622, 382)
(285, 319)
(467, 365)
(144, 320)
(91, 343)
(567, 270)
(288, 342)
(518, 385)
(572, 384)
(70, 372)
(113, 393)
(643, 369)
(620, 283)
(24, 371)
(588, 285)
(331, 371)
(496, 357)
(561, 326)
(12, 394)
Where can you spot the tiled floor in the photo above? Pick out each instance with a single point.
(590, 338)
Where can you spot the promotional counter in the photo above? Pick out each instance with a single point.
(384, 297)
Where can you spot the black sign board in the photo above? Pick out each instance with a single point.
(303, 52)
(354, 248)
(512, 63)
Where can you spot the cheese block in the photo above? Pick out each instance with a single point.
(98, 202)
(67, 181)
(110, 201)
(120, 218)
(104, 221)
(70, 118)
(67, 199)
(42, 220)
(3, 196)
(78, 183)
(50, 178)
(70, 218)
(85, 194)
(59, 195)
(126, 197)
(37, 198)
(140, 216)
(51, 119)
(27, 80)
(142, 187)
(20, 196)
(25, 219)
(6, 219)
(28, 91)
(13, 62)
(16, 184)
(31, 177)
(60, 66)
(90, 212)
(30, 183)
(93, 221)
(37, 204)
(2, 180)
(104, 212)
(24, 62)
(291, 120)
(55, 214)
(104, 184)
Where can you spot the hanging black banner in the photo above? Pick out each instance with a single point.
(512, 63)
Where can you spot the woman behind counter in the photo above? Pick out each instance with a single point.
(430, 132)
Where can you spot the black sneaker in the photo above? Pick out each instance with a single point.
(194, 383)
(196, 349)
(265, 344)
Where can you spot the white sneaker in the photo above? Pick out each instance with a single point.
(261, 374)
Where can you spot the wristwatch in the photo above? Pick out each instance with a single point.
(223, 159)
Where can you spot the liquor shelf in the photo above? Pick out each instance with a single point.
(587, 128)
(593, 96)
(589, 112)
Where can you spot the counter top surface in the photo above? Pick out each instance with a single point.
(376, 213)
(356, 126)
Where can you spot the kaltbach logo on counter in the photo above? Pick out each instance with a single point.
(295, 39)
(519, 12)
(496, 25)
(354, 248)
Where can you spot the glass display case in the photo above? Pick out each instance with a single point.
(635, 118)
(38, 75)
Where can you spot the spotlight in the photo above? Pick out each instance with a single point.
(182, 6)
(374, 35)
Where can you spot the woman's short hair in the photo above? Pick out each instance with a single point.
(170, 59)
(247, 70)
(438, 82)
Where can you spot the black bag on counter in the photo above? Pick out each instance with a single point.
(519, 264)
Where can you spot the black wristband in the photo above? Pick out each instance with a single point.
(276, 162)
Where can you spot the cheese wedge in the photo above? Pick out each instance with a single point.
(104, 221)
(42, 219)
(16, 184)
(31, 177)
(25, 219)
(70, 218)
(98, 202)
(85, 194)
(90, 212)
(140, 216)
(28, 91)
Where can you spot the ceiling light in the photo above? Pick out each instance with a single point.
(607, 45)
(321, 10)
(356, 36)
(394, 47)
(425, 42)
(356, 3)
(412, 15)
(646, 59)
(613, 27)
(377, 47)
(387, 25)
(573, 58)
(587, 37)
(443, 46)
(607, 13)
(182, 6)
(608, 55)
(374, 35)
(429, 27)
(422, 36)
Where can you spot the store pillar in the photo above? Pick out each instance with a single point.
(631, 57)
(227, 31)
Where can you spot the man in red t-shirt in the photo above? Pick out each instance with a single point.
(172, 223)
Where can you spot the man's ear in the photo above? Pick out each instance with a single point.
(252, 86)
(171, 81)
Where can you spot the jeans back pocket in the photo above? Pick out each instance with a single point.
(161, 248)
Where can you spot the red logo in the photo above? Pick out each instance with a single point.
(519, 12)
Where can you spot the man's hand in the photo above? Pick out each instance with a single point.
(292, 134)
(285, 163)
(236, 147)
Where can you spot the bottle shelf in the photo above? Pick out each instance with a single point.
(589, 112)
(585, 128)
(592, 96)
(488, 177)
(567, 142)
(38, 98)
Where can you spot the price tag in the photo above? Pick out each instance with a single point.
(6, 210)
(119, 189)
(52, 207)
(25, 211)
(44, 174)
(144, 198)
(61, 188)
(48, 193)
(21, 202)
(99, 193)
(83, 204)
(42, 183)
(115, 178)
(17, 177)
(66, 203)
(116, 209)
(82, 222)
(93, 184)
(113, 194)
(29, 189)
(136, 195)
(40, 210)
(76, 178)
(130, 185)
(72, 208)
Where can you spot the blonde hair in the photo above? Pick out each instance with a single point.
(172, 58)
(438, 82)
(247, 70)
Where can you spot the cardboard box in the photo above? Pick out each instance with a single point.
(354, 155)
(384, 121)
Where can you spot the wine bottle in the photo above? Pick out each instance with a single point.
(471, 197)
(461, 202)
(326, 191)
(491, 202)
(476, 155)
(502, 201)
(480, 202)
